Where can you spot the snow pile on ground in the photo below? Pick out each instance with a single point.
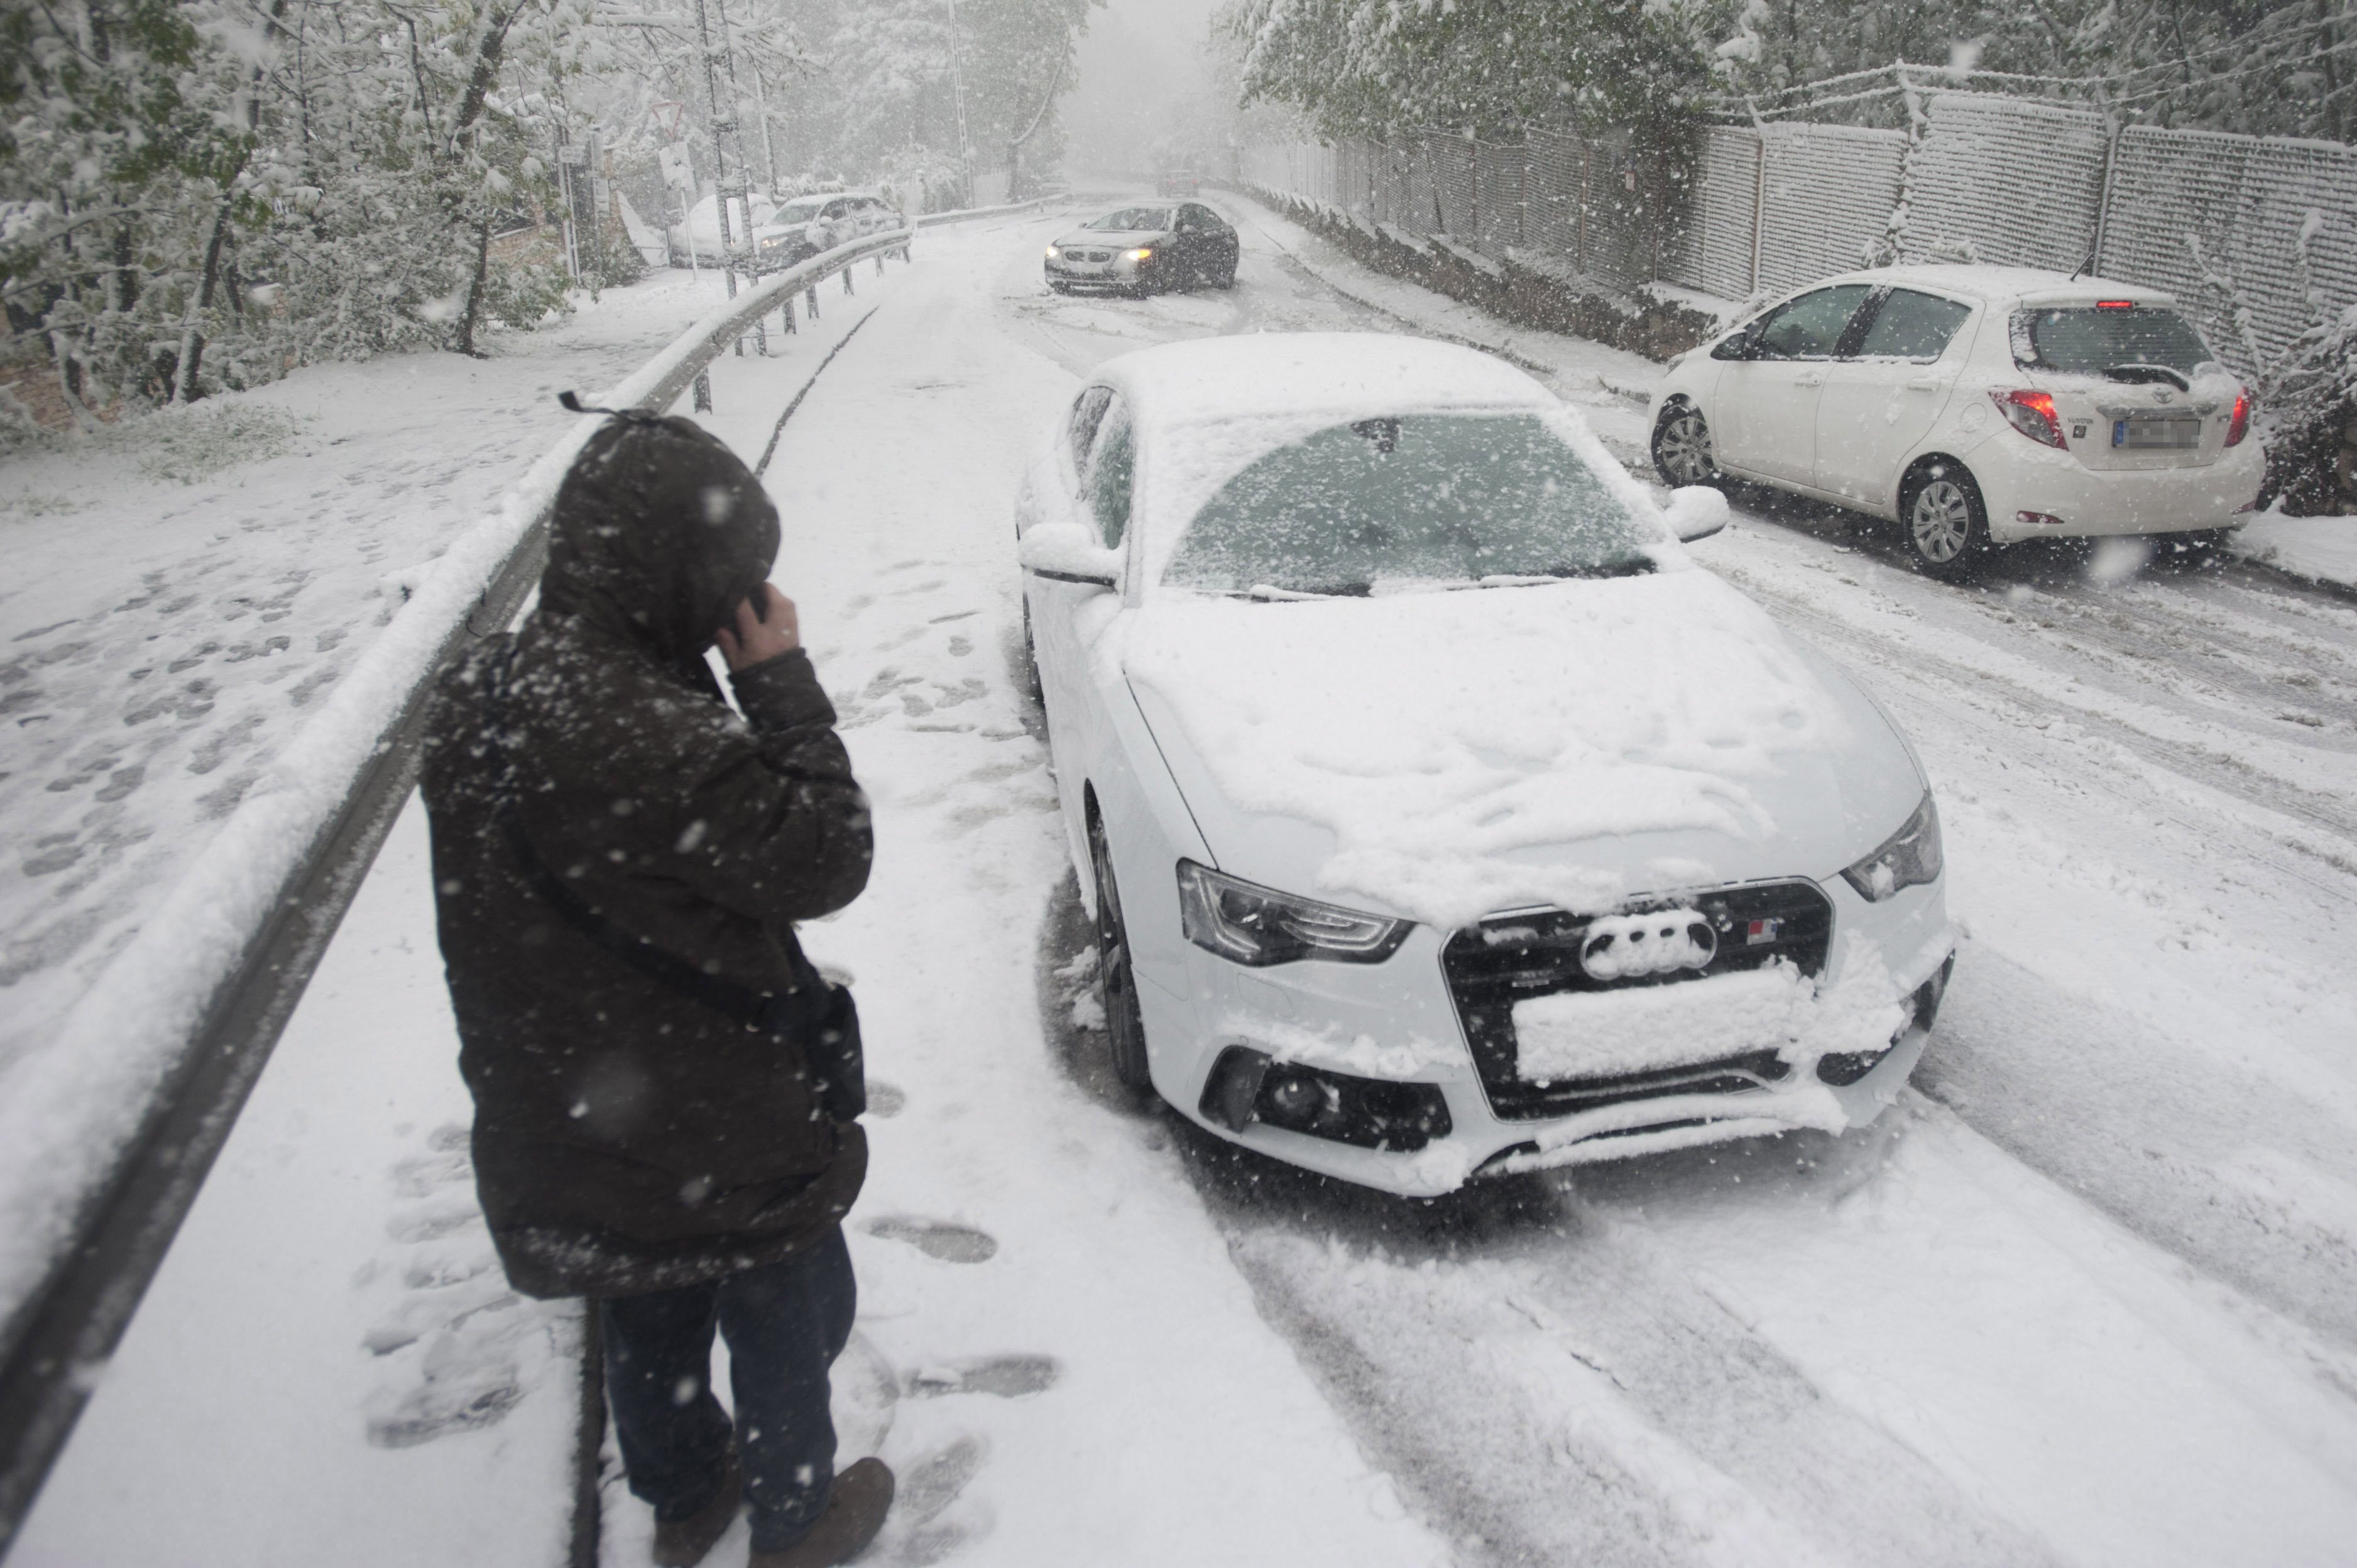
(1560, 713)
(2322, 548)
(1592, 1034)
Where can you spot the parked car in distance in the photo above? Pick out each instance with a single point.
(1438, 816)
(1178, 182)
(810, 224)
(704, 222)
(1137, 250)
(1975, 406)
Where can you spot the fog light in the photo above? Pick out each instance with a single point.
(2038, 518)
(1842, 1068)
(1247, 1086)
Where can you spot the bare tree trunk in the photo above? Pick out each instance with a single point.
(66, 378)
(479, 83)
(192, 339)
(475, 286)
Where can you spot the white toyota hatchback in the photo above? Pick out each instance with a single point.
(1975, 406)
(1438, 816)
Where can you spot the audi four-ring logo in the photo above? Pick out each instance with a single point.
(1628, 947)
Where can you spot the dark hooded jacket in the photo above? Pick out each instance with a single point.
(627, 1137)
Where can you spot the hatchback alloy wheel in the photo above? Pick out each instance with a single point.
(1682, 451)
(1945, 525)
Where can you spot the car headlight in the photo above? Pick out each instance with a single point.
(1143, 254)
(1259, 926)
(1055, 250)
(1908, 858)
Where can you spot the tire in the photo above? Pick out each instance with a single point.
(1682, 449)
(1031, 663)
(1945, 523)
(1116, 982)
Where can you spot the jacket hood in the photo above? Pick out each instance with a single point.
(658, 530)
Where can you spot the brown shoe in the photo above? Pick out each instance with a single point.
(863, 1494)
(681, 1543)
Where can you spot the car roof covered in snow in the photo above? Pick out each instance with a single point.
(1339, 375)
(2001, 284)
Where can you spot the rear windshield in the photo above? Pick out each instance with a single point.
(799, 212)
(2082, 339)
(1421, 499)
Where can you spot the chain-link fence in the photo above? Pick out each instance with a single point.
(2257, 236)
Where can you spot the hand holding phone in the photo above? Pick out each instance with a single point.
(767, 626)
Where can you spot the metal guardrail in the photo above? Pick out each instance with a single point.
(122, 1227)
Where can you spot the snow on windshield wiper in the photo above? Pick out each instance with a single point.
(1337, 591)
(2136, 375)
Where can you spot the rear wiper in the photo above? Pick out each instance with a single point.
(2141, 375)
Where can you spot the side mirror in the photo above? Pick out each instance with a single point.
(1695, 512)
(1736, 347)
(1065, 553)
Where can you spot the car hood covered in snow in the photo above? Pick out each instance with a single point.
(1446, 754)
(1110, 239)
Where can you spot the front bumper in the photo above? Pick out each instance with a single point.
(1118, 271)
(1400, 1021)
(2018, 475)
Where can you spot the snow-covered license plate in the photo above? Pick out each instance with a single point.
(2170, 435)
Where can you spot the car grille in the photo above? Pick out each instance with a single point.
(1090, 256)
(1511, 958)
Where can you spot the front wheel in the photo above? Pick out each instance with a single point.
(1682, 449)
(1116, 979)
(1947, 527)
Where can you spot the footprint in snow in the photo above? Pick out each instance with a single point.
(886, 1100)
(1008, 1377)
(937, 1239)
(922, 1528)
(455, 1339)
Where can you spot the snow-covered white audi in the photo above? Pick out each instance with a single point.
(1975, 406)
(1439, 816)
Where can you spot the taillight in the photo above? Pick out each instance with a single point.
(2238, 424)
(2032, 413)
(2115, 305)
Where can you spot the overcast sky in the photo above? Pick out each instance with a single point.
(1138, 61)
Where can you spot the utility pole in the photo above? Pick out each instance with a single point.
(761, 109)
(957, 92)
(729, 155)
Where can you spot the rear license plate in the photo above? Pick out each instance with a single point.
(2151, 435)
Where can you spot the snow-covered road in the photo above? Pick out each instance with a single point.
(2087, 1298)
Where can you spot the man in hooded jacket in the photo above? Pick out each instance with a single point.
(633, 1144)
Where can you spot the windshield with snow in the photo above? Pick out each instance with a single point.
(1432, 497)
(1130, 220)
(800, 212)
(2091, 341)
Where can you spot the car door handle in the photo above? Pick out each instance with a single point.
(1809, 379)
(1924, 384)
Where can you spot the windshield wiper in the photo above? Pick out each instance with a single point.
(2145, 374)
(1337, 591)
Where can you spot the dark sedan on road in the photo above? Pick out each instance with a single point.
(1136, 249)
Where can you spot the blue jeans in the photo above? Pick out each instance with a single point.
(785, 1324)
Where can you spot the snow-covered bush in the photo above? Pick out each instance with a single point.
(2309, 406)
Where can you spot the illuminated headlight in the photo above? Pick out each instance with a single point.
(1139, 255)
(1054, 251)
(1908, 858)
(1259, 926)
